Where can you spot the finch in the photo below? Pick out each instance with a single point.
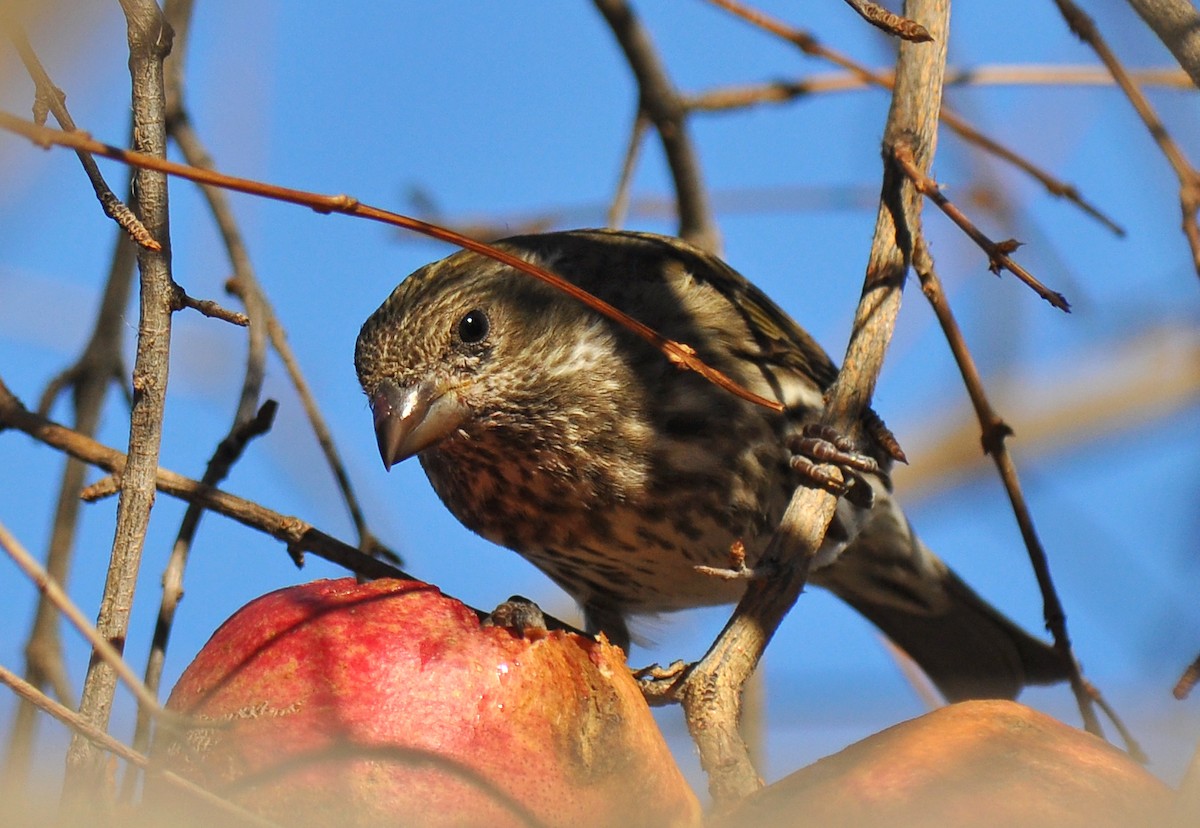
(554, 431)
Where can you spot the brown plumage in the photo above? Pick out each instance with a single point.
(551, 430)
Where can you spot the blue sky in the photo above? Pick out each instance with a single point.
(509, 109)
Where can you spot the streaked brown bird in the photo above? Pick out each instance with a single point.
(554, 431)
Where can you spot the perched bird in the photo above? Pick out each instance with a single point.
(554, 431)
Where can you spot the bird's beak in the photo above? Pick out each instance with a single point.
(411, 419)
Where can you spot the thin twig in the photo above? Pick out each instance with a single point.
(890, 22)
(994, 433)
(31, 695)
(1189, 179)
(710, 691)
(809, 45)
(680, 354)
(619, 208)
(149, 42)
(997, 252)
(54, 100)
(209, 308)
(659, 99)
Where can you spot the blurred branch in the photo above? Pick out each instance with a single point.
(997, 252)
(778, 92)
(54, 100)
(1177, 24)
(63, 603)
(994, 432)
(748, 201)
(890, 22)
(809, 45)
(710, 691)
(32, 696)
(1189, 179)
(1114, 385)
(659, 99)
(149, 42)
(99, 365)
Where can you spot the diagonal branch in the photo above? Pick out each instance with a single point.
(63, 603)
(1189, 178)
(680, 354)
(711, 690)
(29, 694)
(300, 536)
(997, 252)
(54, 100)
(1177, 24)
(994, 433)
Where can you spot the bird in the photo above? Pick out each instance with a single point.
(554, 431)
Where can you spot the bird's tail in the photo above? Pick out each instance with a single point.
(966, 647)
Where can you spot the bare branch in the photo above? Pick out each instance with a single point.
(54, 592)
(619, 208)
(729, 98)
(209, 308)
(997, 252)
(1187, 680)
(300, 536)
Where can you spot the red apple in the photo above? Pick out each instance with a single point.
(981, 763)
(338, 703)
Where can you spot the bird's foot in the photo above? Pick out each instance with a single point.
(825, 458)
(518, 614)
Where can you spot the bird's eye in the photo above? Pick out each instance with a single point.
(473, 327)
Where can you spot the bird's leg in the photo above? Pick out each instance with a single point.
(818, 449)
(660, 685)
(604, 617)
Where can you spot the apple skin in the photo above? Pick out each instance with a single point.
(976, 763)
(387, 703)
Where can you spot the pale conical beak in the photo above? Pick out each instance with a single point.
(411, 419)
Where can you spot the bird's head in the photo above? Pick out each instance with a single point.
(468, 344)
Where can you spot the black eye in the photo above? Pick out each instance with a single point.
(473, 327)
